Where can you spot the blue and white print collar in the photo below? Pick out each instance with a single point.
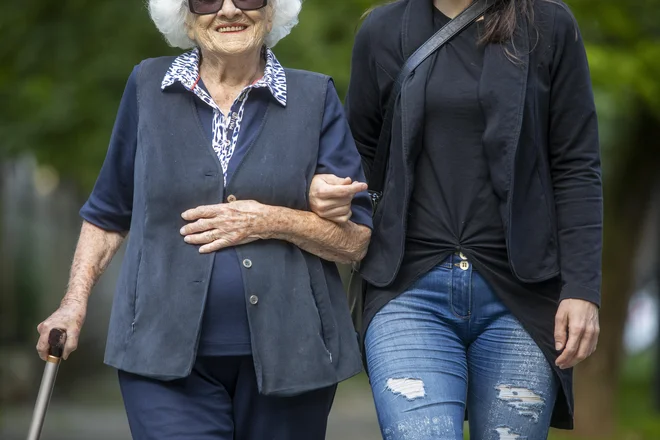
(185, 70)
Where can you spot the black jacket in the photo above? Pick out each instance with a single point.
(541, 141)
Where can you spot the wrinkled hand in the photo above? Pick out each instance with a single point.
(576, 331)
(70, 317)
(216, 227)
(330, 196)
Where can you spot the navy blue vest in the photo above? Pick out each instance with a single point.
(302, 336)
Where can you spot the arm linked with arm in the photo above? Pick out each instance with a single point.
(344, 243)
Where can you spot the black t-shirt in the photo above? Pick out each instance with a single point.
(453, 206)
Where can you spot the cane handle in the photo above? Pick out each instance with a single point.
(56, 341)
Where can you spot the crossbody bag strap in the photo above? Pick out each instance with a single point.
(446, 33)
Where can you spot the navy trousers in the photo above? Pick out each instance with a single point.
(220, 401)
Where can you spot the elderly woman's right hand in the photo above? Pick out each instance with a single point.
(330, 197)
(70, 318)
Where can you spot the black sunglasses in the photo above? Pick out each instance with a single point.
(205, 7)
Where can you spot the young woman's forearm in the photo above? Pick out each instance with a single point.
(341, 243)
(94, 251)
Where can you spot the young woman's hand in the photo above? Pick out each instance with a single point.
(330, 197)
(576, 331)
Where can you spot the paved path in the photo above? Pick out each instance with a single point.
(100, 416)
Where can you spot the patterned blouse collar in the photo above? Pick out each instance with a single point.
(185, 70)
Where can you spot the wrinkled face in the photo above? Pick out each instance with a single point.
(231, 31)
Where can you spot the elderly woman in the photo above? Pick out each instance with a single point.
(229, 321)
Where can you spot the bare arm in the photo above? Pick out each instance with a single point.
(231, 224)
(94, 251)
(339, 242)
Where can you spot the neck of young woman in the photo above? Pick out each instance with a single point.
(451, 8)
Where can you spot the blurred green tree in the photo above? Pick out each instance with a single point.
(624, 53)
(63, 69)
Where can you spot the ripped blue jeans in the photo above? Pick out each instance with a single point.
(449, 343)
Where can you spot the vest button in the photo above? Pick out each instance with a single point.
(231, 198)
(247, 263)
(254, 299)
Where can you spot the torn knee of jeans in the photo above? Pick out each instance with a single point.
(411, 389)
(508, 434)
(525, 401)
(422, 428)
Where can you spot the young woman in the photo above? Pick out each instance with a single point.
(484, 265)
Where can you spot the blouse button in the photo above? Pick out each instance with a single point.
(247, 263)
(231, 198)
(254, 299)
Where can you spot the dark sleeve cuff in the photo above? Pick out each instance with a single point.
(579, 292)
(104, 220)
(362, 212)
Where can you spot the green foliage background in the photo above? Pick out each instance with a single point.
(63, 66)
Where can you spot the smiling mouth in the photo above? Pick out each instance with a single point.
(231, 29)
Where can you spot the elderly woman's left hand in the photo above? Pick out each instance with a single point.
(224, 225)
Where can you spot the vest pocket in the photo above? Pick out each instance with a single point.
(135, 290)
(321, 296)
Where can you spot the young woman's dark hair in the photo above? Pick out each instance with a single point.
(501, 21)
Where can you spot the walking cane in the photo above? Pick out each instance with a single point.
(56, 341)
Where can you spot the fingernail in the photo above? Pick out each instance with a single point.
(558, 345)
(182, 231)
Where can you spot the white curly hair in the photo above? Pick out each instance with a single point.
(170, 17)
